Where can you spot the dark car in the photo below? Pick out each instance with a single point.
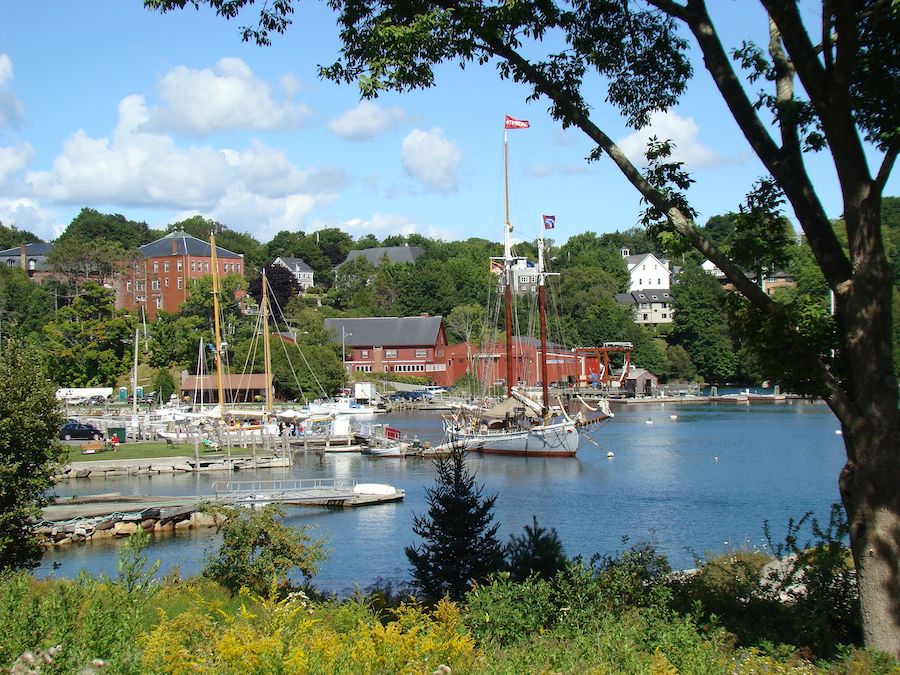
(77, 430)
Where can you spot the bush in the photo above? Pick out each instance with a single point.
(536, 552)
(258, 550)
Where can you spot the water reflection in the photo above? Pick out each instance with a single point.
(774, 461)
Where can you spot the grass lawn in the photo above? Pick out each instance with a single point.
(143, 450)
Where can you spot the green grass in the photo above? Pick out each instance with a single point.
(145, 450)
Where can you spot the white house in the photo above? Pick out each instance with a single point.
(302, 272)
(647, 271)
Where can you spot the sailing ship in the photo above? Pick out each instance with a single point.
(520, 425)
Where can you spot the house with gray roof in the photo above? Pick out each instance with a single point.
(302, 272)
(651, 306)
(410, 345)
(30, 257)
(647, 271)
(394, 255)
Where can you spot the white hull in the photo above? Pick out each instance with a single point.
(559, 439)
(340, 408)
(236, 434)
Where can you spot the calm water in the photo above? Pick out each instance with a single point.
(704, 482)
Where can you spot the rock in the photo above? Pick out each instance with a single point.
(103, 534)
(162, 468)
(82, 473)
(183, 524)
(148, 523)
(164, 526)
(123, 529)
(183, 467)
(80, 532)
(104, 525)
(201, 519)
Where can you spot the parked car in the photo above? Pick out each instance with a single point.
(76, 430)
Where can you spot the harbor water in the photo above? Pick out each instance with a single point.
(693, 479)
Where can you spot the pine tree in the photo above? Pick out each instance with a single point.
(459, 543)
(537, 552)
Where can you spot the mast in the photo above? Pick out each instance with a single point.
(214, 260)
(542, 312)
(266, 349)
(507, 270)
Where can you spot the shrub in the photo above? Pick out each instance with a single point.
(536, 552)
(258, 550)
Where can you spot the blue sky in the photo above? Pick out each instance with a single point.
(158, 117)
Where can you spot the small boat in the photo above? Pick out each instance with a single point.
(342, 405)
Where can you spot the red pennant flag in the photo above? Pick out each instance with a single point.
(549, 222)
(513, 123)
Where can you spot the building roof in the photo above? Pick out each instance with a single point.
(644, 295)
(33, 249)
(634, 260)
(185, 244)
(395, 254)
(407, 331)
(294, 264)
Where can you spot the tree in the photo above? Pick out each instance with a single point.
(847, 97)
(258, 550)
(12, 236)
(459, 545)
(701, 324)
(29, 451)
(80, 259)
(282, 285)
(537, 552)
(163, 385)
(236, 242)
(90, 225)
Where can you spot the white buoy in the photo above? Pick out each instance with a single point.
(649, 422)
(610, 455)
(839, 432)
(673, 416)
(716, 458)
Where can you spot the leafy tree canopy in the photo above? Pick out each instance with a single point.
(90, 225)
(11, 236)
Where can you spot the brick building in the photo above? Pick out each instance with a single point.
(164, 269)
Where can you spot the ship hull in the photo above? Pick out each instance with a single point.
(552, 440)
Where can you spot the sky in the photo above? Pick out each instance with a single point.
(106, 105)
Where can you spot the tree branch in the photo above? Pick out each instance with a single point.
(887, 165)
(671, 8)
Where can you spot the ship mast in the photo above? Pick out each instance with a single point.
(266, 347)
(542, 312)
(215, 279)
(507, 270)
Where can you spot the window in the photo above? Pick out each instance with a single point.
(166, 266)
(167, 282)
(206, 266)
(421, 353)
(193, 265)
(154, 284)
(239, 267)
(128, 285)
(179, 265)
(156, 266)
(390, 353)
(141, 285)
(640, 282)
(10, 262)
(159, 303)
(364, 354)
(659, 282)
(180, 284)
(664, 315)
(645, 317)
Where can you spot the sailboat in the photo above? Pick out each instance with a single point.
(520, 425)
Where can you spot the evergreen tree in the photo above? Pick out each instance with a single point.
(537, 552)
(460, 544)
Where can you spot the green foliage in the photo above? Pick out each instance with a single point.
(459, 544)
(236, 242)
(199, 301)
(700, 324)
(90, 342)
(12, 236)
(80, 259)
(134, 575)
(259, 552)
(24, 305)
(174, 340)
(29, 451)
(282, 287)
(762, 236)
(163, 385)
(537, 552)
(91, 226)
(679, 367)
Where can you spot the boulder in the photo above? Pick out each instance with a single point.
(183, 524)
(123, 529)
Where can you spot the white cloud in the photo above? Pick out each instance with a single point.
(684, 134)
(11, 108)
(366, 121)
(432, 159)
(14, 158)
(257, 189)
(385, 224)
(27, 214)
(226, 96)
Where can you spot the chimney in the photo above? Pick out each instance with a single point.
(23, 256)
(174, 247)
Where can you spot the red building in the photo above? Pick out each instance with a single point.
(563, 365)
(164, 269)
